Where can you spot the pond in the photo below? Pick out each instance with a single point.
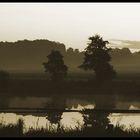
(69, 120)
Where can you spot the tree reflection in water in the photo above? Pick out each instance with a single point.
(99, 120)
(96, 120)
(53, 115)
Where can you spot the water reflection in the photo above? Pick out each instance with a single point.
(70, 120)
(55, 117)
(28, 102)
(88, 101)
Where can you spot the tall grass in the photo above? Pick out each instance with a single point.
(13, 130)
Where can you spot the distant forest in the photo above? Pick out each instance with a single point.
(28, 56)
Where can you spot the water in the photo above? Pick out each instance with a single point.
(69, 120)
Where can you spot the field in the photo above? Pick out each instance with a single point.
(77, 85)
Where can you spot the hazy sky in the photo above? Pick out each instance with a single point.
(69, 23)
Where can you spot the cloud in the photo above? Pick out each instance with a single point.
(125, 43)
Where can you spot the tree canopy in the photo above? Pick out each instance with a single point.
(97, 58)
(55, 66)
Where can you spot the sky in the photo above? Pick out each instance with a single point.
(70, 23)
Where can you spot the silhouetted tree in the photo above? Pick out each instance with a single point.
(76, 51)
(97, 58)
(55, 66)
(70, 51)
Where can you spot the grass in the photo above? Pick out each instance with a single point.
(12, 129)
(117, 131)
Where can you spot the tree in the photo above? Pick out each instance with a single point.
(70, 51)
(55, 66)
(97, 58)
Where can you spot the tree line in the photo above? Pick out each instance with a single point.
(25, 56)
